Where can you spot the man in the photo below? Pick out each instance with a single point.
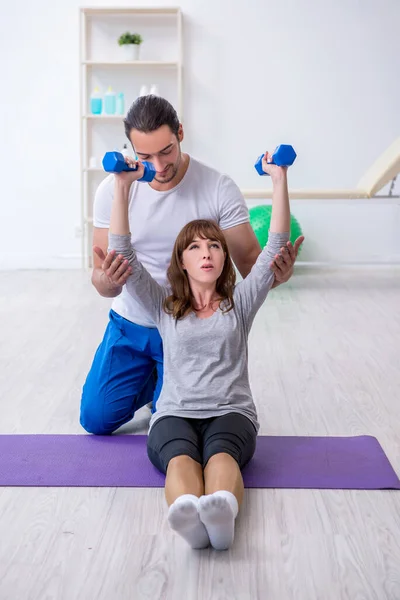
(121, 379)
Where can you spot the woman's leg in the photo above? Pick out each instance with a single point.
(222, 472)
(180, 458)
(229, 443)
(184, 476)
(184, 485)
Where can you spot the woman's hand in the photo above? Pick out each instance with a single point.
(276, 173)
(128, 177)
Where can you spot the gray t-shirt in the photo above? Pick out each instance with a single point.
(205, 360)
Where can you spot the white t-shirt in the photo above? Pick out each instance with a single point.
(156, 218)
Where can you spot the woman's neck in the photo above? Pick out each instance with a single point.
(204, 297)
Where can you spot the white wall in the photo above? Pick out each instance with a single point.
(323, 76)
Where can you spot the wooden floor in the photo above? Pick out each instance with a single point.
(325, 360)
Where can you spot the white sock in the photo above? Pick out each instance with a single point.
(218, 512)
(183, 517)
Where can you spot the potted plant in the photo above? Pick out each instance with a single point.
(130, 45)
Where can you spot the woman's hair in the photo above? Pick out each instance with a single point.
(149, 113)
(181, 302)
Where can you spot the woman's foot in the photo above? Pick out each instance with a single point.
(218, 512)
(183, 517)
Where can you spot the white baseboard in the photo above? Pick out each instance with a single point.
(39, 262)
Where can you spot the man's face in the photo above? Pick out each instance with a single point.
(160, 147)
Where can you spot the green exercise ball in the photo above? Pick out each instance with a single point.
(260, 219)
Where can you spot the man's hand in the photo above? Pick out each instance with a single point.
(283, 264)
(114, 268)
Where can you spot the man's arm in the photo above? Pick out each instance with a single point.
(244, 249)
(107, 276)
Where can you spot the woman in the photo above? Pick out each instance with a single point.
(205, 427)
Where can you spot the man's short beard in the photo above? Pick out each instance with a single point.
(175, 169)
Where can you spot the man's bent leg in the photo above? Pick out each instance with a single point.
(120, 379)
(156, 351)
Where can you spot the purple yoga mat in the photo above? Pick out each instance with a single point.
(121, 461)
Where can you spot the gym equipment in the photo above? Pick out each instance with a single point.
(383, 172)
(283, 156)
(114, 162)
(357, 462)
(260, 219)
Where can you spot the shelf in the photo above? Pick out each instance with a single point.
(131, 63)
(105, 117)
(130, 11)
(94, 170)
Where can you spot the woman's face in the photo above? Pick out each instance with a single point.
(203, 260)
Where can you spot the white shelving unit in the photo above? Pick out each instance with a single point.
(136, 63)
(101, 65)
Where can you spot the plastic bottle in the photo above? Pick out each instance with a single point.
(110, 102)
(125, 151)
(96, 102)
(120, 104)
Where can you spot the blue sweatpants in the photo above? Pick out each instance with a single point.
(122, 377)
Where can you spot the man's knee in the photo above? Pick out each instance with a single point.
(98, 416)
(92, 420)
(94, 426)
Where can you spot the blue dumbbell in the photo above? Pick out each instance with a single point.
(114, 162)
(283, 156)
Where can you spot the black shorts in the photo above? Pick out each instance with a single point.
(200, 439)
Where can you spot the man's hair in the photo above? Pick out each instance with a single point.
(149, 113)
